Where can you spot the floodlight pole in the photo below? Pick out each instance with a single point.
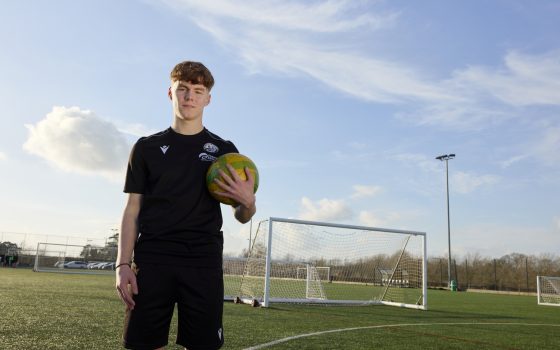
(446, 158)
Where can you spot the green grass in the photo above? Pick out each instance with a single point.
(61, 311)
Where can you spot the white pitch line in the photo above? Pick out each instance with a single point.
(283, 340)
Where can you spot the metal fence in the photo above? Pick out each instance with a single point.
(512, 273)
(27, 244)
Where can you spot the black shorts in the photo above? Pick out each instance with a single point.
(199, 295)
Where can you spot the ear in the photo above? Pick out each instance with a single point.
(169, 93)
(208, 100)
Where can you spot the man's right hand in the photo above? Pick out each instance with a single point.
(126, 285)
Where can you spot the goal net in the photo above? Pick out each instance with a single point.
(548, 290)
(323, 271)
(68, 258)
(298, 261)
(233, 268)
(87, 259)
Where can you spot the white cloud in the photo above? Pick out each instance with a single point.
(325, 16)
(134, 129)
(3, 156)
(543, 148)
(524, 79)
(547, 148)
(470, 114)
(369, 218)
(512, 160)
(324, 210)
(288, 37)
(492, 95)
(375, 219)
(76, 140)
(468, 182)
(276, 36)
(427, 164)
(361, 191)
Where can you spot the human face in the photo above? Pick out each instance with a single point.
(188, 100)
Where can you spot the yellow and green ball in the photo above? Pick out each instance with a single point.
(239, 162)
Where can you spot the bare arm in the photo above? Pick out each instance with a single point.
(125, 277)
(243, 213)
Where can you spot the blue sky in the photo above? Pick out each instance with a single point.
(343, 106)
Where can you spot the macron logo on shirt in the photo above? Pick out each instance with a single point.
(164, 148)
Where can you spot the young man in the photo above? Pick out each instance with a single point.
(172, 225)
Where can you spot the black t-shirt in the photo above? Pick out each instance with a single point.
(179, 222)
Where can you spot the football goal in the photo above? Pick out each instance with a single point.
(296, 261)
(548, 290)
(68, 258)
(323, 271)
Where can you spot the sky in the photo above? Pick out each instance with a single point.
(343, 105)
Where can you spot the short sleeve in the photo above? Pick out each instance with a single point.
(136, 173)
(233, 149)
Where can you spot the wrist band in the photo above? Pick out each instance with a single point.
(121, 264)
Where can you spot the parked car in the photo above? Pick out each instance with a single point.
(109, 266)
(95, 265)
(91, 263)
(100, 265)
(75, 265)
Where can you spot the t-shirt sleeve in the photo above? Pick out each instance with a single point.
(136, 172)
(232, 149)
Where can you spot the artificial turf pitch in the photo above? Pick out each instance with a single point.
(61, 311)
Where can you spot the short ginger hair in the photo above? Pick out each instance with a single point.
(194, 73)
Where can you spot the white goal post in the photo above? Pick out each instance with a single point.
(297, 261)
(548, 290)
(323, 271)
